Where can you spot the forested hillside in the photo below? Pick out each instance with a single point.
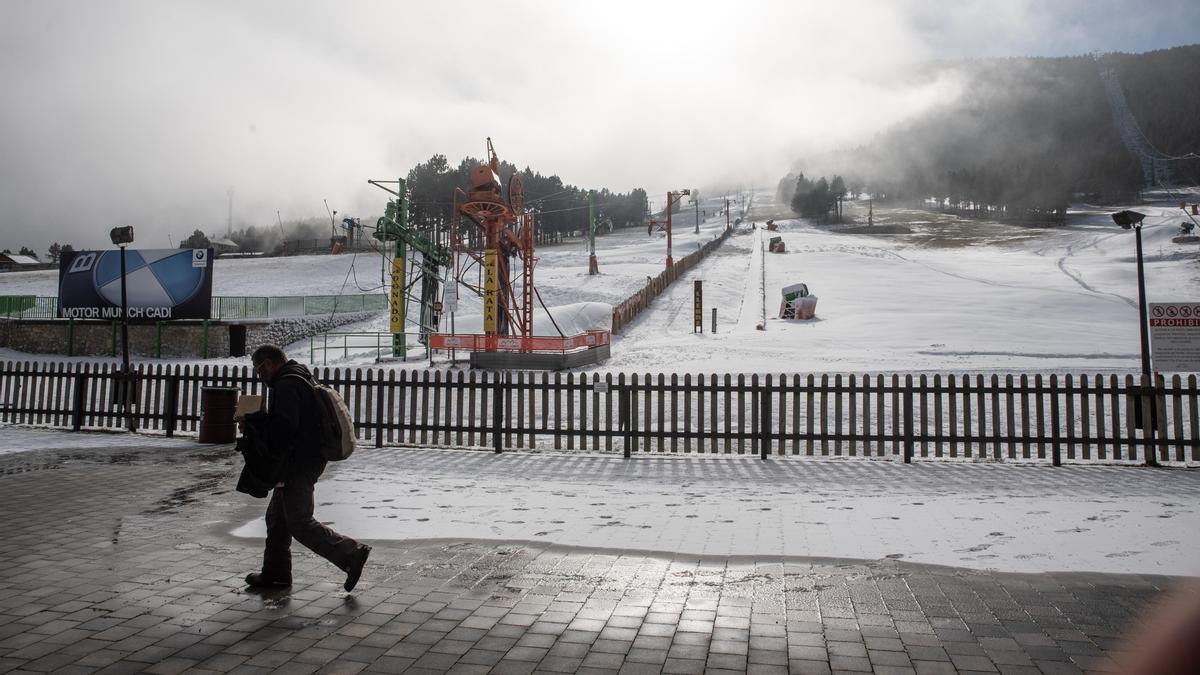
(1027, 136)
(560, 208)
(1162, 89)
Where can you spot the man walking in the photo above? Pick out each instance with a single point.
(290, 432)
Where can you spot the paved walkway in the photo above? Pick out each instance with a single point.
(121, 561)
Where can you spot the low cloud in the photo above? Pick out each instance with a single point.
(148, 113)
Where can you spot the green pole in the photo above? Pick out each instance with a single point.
(70, 337)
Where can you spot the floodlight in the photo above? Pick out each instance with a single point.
(1128, 219)
(122, 235)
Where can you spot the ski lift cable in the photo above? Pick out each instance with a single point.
(543, 304)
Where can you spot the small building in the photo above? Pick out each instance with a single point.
(10, 262)
(221, 246)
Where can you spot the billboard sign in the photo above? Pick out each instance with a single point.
(161, 284)
(1175, 336)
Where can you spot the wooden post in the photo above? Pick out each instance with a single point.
(755, 415)
(497, 413)
(78, 397)
(379, 389)
(908, 419)
(1055, 429)
(623, 414)
(764, 419)
(1149, 420)
(171, 414)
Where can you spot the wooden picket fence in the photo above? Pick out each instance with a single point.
(624, 313)
(1012, 418)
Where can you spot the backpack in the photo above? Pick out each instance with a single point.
(335, 427)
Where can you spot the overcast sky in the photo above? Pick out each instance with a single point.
(148, 113)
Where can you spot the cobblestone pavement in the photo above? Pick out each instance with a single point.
(121, 561)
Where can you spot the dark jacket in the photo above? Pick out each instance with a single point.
(292, 419)
(264, 467)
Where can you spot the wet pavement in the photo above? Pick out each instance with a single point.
(121, 560)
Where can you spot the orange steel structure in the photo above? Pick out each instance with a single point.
(496, 343)
(504, 229)
(673, 198)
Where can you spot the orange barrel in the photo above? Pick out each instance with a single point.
(216, 414)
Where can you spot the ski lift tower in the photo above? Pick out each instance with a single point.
(505, 231)
(673, 198)
(393, 227)
(490, 228)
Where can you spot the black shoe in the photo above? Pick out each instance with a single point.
(356, 567)
(259, 580)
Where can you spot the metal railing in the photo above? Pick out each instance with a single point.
(343, 345)
(223, 307)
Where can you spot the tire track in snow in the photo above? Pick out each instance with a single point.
(1000, 284)
(887, 253)
(1078, 278)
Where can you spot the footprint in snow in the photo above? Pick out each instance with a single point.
(974, 549)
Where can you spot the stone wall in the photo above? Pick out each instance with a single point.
(287, 330)
(175, 339)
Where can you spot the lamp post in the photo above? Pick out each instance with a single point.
(1132, 220)
(123, 236)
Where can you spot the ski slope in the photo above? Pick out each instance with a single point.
(1046, 300)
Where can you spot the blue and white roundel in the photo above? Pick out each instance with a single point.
(162, 278)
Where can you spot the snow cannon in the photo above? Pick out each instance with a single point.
(797, 303)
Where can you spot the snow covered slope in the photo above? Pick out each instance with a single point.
(953, 296)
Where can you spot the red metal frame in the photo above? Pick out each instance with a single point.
(518, 343)
(505, 226)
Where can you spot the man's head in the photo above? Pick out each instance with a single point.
(267, 359)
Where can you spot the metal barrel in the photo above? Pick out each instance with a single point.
(216, 414)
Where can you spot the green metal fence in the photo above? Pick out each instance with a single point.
(247, 307)
(223, 307)
(28, 307)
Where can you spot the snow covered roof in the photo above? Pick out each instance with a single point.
(18, 259)
(223, 243)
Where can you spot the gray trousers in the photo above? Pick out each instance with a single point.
(290, 516)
